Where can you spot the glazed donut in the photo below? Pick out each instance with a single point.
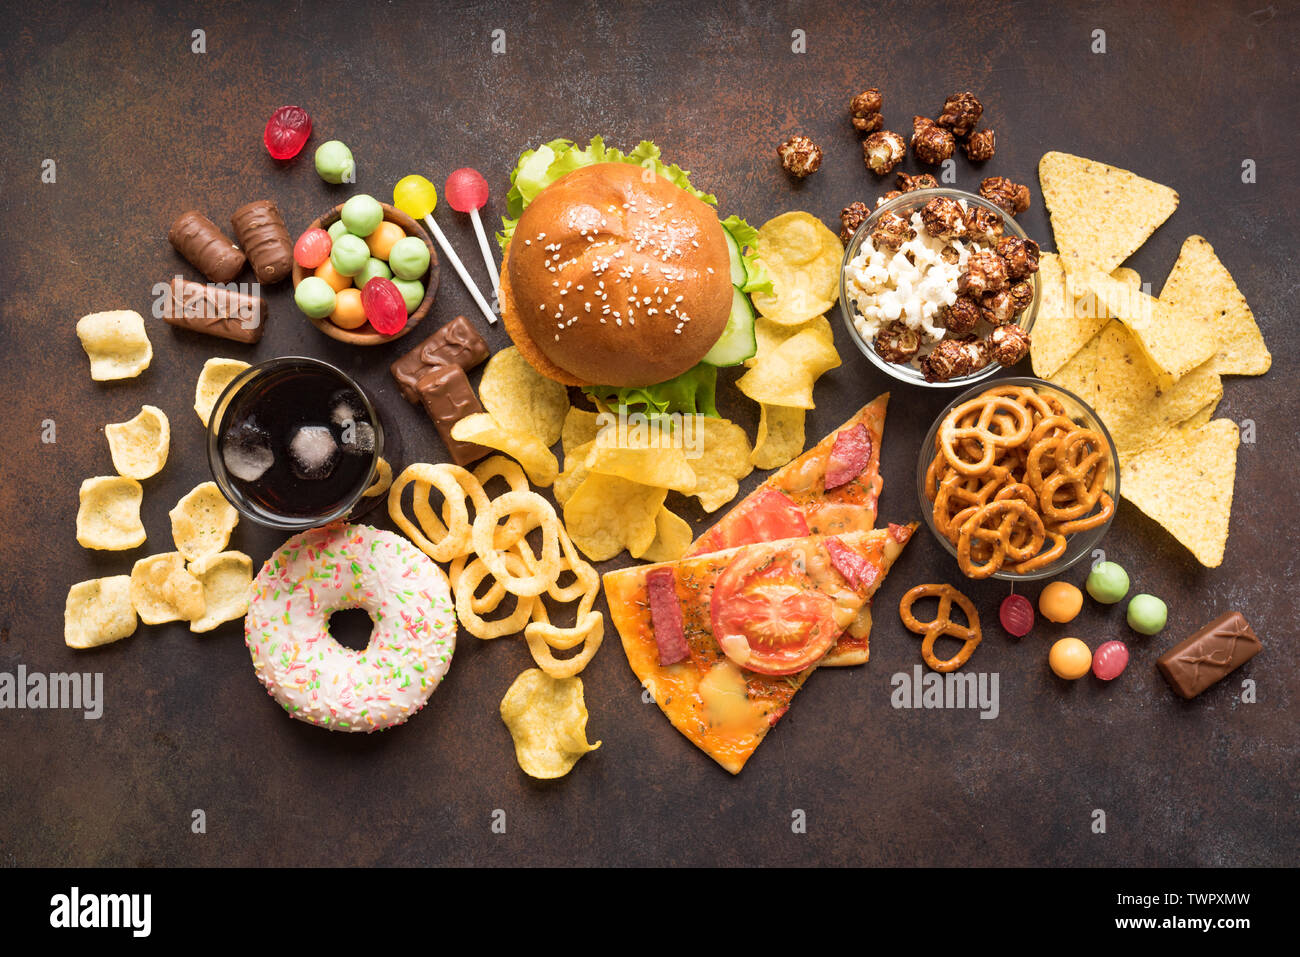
(311, 675)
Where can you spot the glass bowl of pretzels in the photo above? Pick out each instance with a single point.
(1018, 479)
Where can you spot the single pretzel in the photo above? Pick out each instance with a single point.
(969, 634)
(1008, 512)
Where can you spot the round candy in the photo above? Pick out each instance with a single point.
(337, 281)
(384, 306)
(1017, 615)
(315, 297)
(348, 312)
(1147, 614)
(312, 248)
(412, 291)
(409, 258)
(415, 196)
(1110, 660)
(1107, 583)
(1060, 602)
(466, 190)
(1070, 658)
(337, 229)
(334, 162)
(382, 239)
(373, 267)
(361, 214)
(350, 254)
(286, 132)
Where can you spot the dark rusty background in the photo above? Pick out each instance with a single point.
(141, 128)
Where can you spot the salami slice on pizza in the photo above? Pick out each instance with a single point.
(724, 639)
(830, 489)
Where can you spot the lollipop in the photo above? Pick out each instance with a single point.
(467, 192)
(417, 197)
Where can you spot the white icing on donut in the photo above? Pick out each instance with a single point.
(311, 675)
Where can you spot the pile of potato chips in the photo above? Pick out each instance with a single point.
(1150, 366)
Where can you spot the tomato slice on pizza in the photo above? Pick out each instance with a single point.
(831, 489)
(723, 640)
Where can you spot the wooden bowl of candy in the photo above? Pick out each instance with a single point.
(347, 319)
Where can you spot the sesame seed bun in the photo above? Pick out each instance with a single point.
(611, 279)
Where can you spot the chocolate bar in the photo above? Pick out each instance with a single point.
(448, 397)
(261, 231)
(214, 310)
(198, 239)
(1209, 655)
(457, 343)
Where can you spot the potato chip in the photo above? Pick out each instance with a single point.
(227, 579)
(162, 590)
(216, 375)
(521, 399)
(786, 374)
(718, 450)
(803, 258)
(1064, 325)
(116, 344)
(1201, 285)
(202, 522)
(1127, 276)
(673, 536)
(98, 611)
(139, 446)
(580, 427)
(109, 515)
(649, 451)
(780, 436)
(1100, 214)
(1137, 412)
(1079, 374)
(1186, 484)
(547, 718)
(1173, 340)
(606, 514)
(535, 456)
(575, 470)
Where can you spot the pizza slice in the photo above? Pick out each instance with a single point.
(830, 489)
(723, 640)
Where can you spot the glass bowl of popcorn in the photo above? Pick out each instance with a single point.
(940, 287)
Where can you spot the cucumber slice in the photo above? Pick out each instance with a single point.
(738, 275)
(737, 342)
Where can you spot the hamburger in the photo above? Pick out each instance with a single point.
(618, 277)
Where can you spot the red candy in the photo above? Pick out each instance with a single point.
(1110, 660)
(286, 132)
(384, 306)
(1017, 615)
(312, 248)
(466, 190)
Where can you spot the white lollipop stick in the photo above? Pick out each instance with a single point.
(487, 253)
(460, 269)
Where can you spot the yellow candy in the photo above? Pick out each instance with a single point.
(382, 239)
(348, 312)
(1070, 659)
(415, 196)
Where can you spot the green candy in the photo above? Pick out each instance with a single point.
(373, 267)
(337, 229)
(315, 297)
(1147, 614)
(409, 258)
(412, 291)
(334, 162)
(361, 214)
(1107, 583)
(349, 254)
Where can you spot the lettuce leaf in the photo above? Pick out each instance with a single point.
(745, 235)
(692, 392)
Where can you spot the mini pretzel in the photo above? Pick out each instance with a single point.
(952, 432)
(1078, 470)
(1009, 512)
(942, 624)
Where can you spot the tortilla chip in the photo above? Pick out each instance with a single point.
(1137, 412)
(98, 612)
(1201, 285)
(1063, 325)
(1195, 421)
(1079, 374)
(116, 344)
(1185, 484)
(1128, 277)
(1100, 214)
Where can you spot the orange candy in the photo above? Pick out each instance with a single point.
(348, 313)
(1060, 602)
(382, 239)
(1070, 659)
(337, 281)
